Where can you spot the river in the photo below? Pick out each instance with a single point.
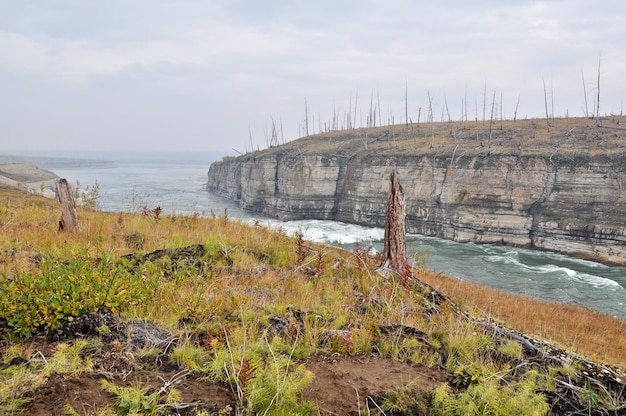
(176, 183)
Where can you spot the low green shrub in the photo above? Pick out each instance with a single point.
(59, 291)
(133, 400)
(491, 398)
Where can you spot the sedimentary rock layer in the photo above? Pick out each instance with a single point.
(574, 206)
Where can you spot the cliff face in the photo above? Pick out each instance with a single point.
(570, 206)
(29, 177)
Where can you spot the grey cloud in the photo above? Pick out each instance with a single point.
(203, 72)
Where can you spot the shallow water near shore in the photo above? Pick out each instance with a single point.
(176, 183)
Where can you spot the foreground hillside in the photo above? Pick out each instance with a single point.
(553, 184)
(145, 314)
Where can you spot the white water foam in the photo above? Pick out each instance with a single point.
(597, 281)
(503, 260)
(589, 263)
(592, 280)
(329, 232)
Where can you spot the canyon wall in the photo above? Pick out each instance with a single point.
(571, 205)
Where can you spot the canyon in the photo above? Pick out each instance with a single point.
(556, 185)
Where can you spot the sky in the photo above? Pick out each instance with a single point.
(217, 75)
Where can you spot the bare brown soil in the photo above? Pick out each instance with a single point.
(343, 385)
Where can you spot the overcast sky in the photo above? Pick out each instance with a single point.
(201, 75)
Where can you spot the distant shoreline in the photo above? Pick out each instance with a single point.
(47, 162)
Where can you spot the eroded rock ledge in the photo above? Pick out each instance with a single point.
(565, 202)
(29, 177)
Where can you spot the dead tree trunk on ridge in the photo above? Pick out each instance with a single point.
(69, 219)
(394, 249)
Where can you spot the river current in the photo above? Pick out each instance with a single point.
(176, 183)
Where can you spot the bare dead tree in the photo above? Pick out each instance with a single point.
(516, 108)
(394, 249)
(250, 134)
(484, 100)
(430, 119)
(552, 99)
(281, 129)
(501, 126)
(406, 104)
(372, 115)
(356, 98)
(274, 134)
(475, 108)
(380, 120)
(306, 117)
(349, 114)
(465, 101)
(598, 100)
(493, 103)
(462, 110)
(445, 103)
(585, 94)
(69, 219)
(545, 100)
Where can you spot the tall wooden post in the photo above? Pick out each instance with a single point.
(69, 219)
(394, 249)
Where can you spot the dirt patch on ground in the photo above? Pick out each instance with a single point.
(86, 395)
(343, 385)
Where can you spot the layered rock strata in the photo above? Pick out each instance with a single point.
(575, 205)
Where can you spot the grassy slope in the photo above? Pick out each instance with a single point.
(565, 137)
(256, 276)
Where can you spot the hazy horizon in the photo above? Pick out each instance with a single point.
(40, 156)
(200, 76)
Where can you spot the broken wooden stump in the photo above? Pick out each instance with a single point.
(69, 219)
(394, 249)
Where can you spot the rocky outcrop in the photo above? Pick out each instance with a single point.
(576, 208)
(574, 204)
(29, 177)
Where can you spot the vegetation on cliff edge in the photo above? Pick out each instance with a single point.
(571, 139)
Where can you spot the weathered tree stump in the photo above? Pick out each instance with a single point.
(394, 249)
(69, 219)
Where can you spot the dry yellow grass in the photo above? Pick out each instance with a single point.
(565, 137)
(28, 225)
(580, 330)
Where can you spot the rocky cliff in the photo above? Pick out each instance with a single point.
(29, 177)
(516, 186)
